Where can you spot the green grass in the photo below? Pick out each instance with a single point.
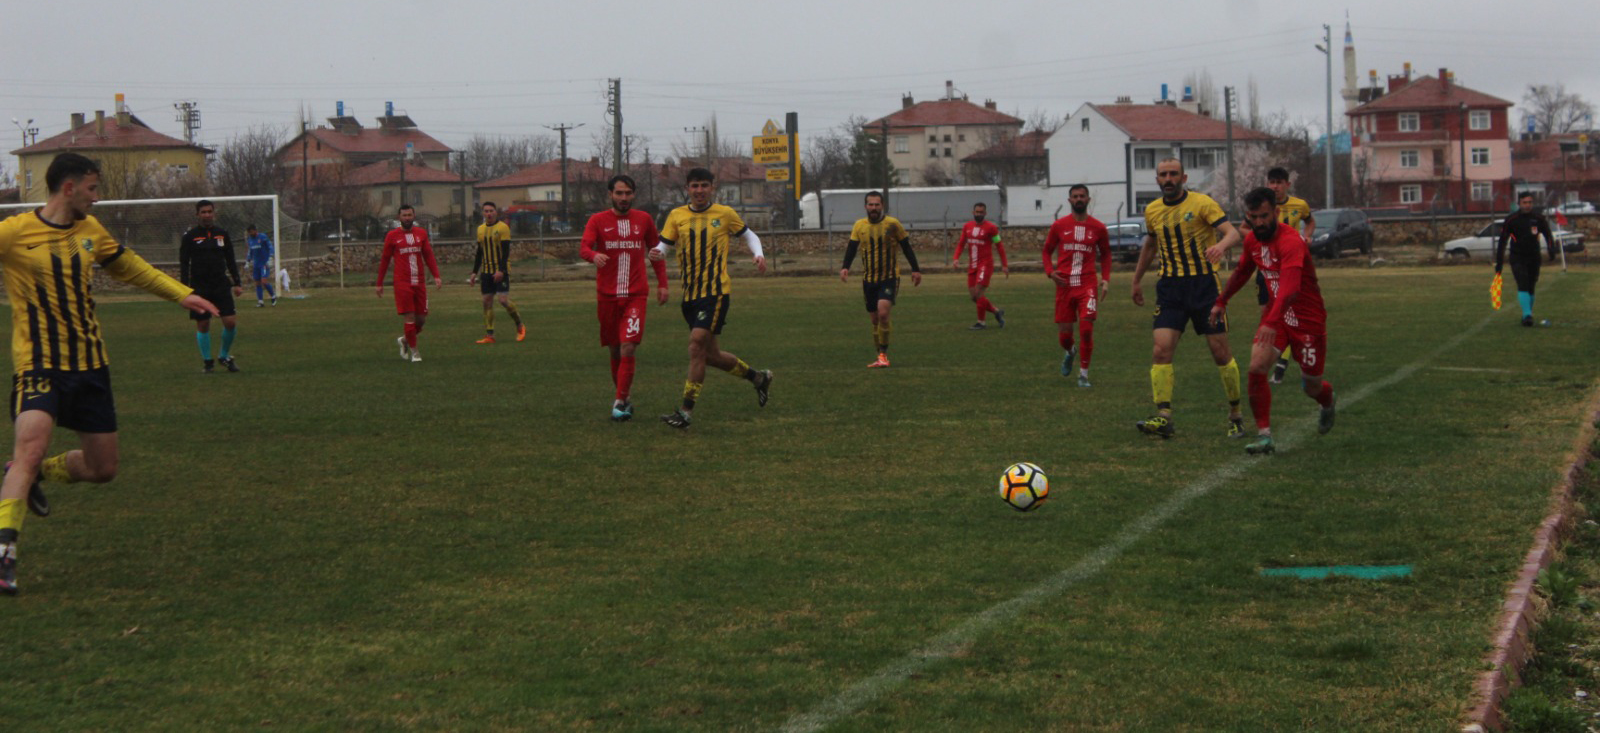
(337, 540)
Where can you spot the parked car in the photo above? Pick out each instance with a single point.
(1576, 207)
(1482, 244)
(1339, 231)
(1127, 237)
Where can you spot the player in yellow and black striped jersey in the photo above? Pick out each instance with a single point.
(58, 356)
(1296, 213)
(700, 232)
(491, 270)
(879, 237)
(1184, 226)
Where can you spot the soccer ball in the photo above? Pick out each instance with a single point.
(1024, 486)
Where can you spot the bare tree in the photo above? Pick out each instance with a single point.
(246, 164)
(487, 157)
(127, 177)
(1204, 90)
(825, 162)
(1554, 110)
(1042, 120)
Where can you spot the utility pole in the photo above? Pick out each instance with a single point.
(305, 167)
(562, 129)
(189, 117)
(1326, 47)
(614, 108)
(707, 132)
(791, 124)
(1227, 114)
(466, 202)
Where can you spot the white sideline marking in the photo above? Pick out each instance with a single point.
(1470, 369)
(953, 641)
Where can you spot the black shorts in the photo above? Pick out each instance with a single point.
(78, 401)
(221, 297)
(488, 286)
(1184, 300)
(880, 290)
(1262, 295)
(1525, 271)
(708, 313)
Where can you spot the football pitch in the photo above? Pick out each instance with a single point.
(334, 539)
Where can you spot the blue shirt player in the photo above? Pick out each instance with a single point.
(260, 256)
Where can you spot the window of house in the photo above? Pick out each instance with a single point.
(961, 138)
(1410, 121)
(1482, 190)
(933, 152)
(902, 176)
(1480, 156)
(1144, 160)
(1143, 199)
(946, 152)
(1478, 119)
(27, 177)
(178, 168)
(1199, 158)
(933, 138)
(388, 198)
(1084, 125)
(1038, 204)
(947, 137)
(1411, 194)
(1408, 159)
(902, 143)
(549, 195)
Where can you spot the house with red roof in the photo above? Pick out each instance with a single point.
(538, 187)
(135, 161)
(1013, 160)
(1557, 169)
(1114, 149)
(1431, 144)
(388, 183)
(928, 140)
(324, 157)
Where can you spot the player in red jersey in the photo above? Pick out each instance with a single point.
(1081, 239)
(1295, 317)
(977, 237)
(409, 247)
(618, 241)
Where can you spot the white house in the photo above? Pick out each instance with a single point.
(1113, 149)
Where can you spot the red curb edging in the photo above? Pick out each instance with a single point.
(1511, 639)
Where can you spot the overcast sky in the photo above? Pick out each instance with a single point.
(513, 68)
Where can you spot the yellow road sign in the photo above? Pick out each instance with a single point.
(768, 149)
(771, 128)
(777, 174)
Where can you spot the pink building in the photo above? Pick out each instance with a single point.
(1431, 144)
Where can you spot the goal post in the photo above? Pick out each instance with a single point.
(152, 227)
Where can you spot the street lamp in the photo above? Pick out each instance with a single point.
(1326, 47)
(26, 130)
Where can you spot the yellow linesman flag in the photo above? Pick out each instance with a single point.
(1494, 291)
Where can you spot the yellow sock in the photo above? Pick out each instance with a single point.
(877, 335)
(11, 513)
(1285, 354)
(691, 392)
(884, 341)
(488, 318)
(740, 369)
(1161, 384)
(54, 469)
(1230, 380)
(512, 309)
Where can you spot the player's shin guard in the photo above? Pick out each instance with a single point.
(1324, 396)
(1087, 337)
(691, 392)
(11, 513)
(984, 306)
(1525, 299)
(258, 291)
(1230, 381)
(203, 338)
(488, 318)
(1161, 385)
(1261, 400)
(877, 335)
(616, 368)
(227, 342)
(54, 469)
(1065, 339)
(883, 341)
(270, 292)
(411, 334)
(739, 369)
(512, 309)
(624, 377)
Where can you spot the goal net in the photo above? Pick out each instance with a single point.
(152, 227)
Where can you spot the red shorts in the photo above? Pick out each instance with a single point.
(622, 320)
(1075, 303)
(980, 276)
(410, 300)
(1310, 350)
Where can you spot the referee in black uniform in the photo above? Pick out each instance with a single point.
(206, 263)
(1522, 229)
